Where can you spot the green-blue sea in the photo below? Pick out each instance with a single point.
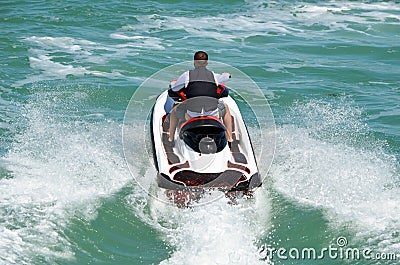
(330, 71)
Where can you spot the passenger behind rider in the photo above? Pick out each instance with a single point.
(199, 82)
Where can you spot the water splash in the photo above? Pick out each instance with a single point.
(60, 165)
(331, 161)
(215, 233)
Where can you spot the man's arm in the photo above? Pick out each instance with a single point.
(180, 82)
(222, 78)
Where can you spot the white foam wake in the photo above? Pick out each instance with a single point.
(345, 172)
(213, 233)
(59, 167)
(55, 58)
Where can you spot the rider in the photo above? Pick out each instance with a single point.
(200, 82)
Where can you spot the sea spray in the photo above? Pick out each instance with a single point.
(60, 165)
(328, 159)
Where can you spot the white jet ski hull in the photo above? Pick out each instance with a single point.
(180, 167)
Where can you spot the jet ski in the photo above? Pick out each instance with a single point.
(200, 157)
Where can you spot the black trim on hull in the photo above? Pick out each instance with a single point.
(229, 180)
(153, 147)
(252, 183)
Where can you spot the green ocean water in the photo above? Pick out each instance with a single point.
(329, 70)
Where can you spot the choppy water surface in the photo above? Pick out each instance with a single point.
(330, 71)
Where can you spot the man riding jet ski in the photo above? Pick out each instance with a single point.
(199, 155)
(200, 82)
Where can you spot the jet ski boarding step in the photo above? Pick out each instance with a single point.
(238, 156)
(168, 146)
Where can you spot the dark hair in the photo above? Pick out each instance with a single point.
(200, 55)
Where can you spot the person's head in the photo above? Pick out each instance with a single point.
(200, 59)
